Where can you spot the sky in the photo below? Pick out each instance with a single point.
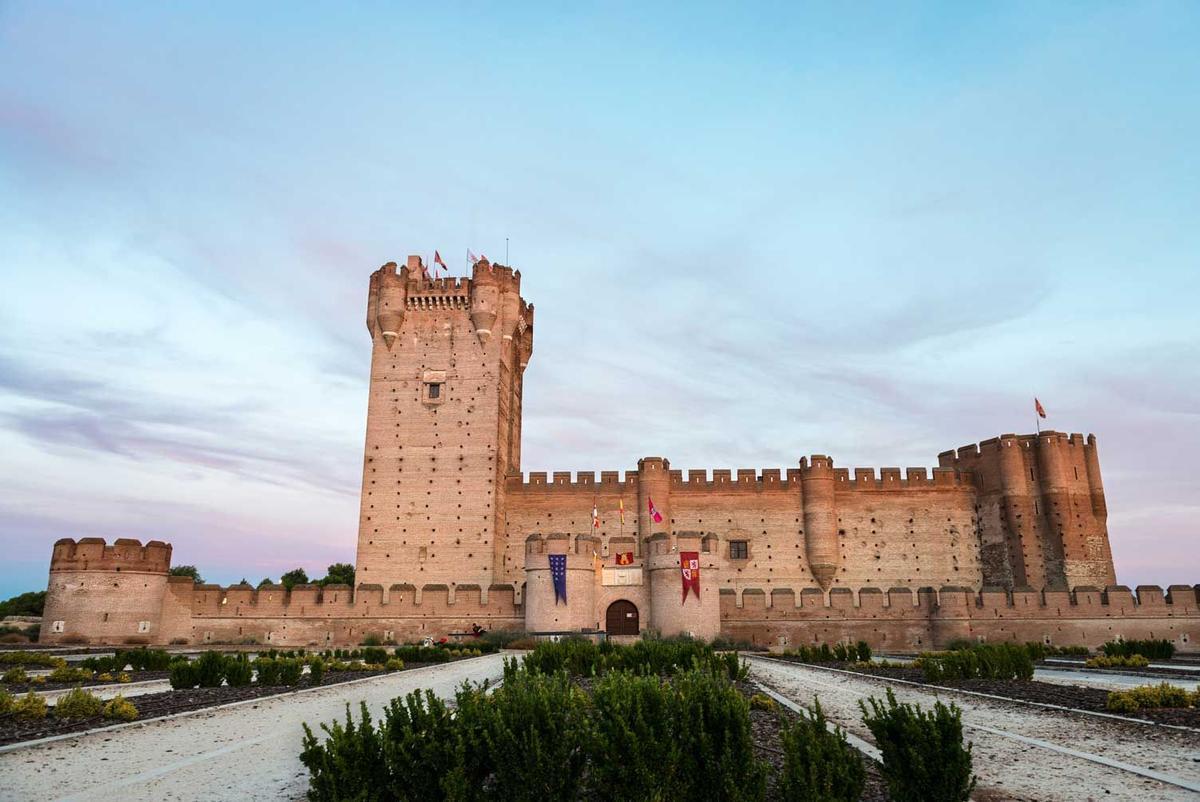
(751, 232)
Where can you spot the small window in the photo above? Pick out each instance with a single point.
(435, 390)
(739, 550)
(143, 626)
(58, 626)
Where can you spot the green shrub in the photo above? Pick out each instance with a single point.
(289, 670)
(138, 660)
(6, 702)
(1149, 697)
(184, 676)
(1152, 649)
(29, 706)
(714, 734)
(420, 747)
(533, 731)
(1120, 661)
(64, 674)
(819, 765)
(77, 703)
(349, 764)
(316, 671)
(760, 701)
(15, 675)
(394, 664)
(635, 753)
(372, 640)
(210, 669)
(238, 671)
(120, 709)
(981, 661)
(374, 654)
(267, 670)
(421, 654)
(924, 759)
(123, 677)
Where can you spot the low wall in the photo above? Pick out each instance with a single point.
(902, 621)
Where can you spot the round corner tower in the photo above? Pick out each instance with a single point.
(106, 594)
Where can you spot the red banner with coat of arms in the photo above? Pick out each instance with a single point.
(689, 566)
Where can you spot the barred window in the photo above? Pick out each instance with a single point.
(739, 549)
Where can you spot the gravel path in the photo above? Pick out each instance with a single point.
(1021, 770)
(245, 752)
(1112, 682)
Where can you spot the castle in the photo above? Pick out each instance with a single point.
(1004, 540)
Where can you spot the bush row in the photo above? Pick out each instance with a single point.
(640, 736)
(133, 659)
(980, 661)
(74, 704)
(839, 653)
(1153, 649)
(1103, 661)
(34, 659)
(538, 737)
(1152, 696)
(213, 669)
(582, 657)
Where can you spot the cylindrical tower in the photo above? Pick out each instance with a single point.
(106, 594)
(1024, 549)
(654, 485)
(672, 612)
(544, 612)
(820, 518)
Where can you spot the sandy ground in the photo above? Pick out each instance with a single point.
(246, 752)
(1022, 771)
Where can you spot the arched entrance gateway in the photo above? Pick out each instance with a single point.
(622, 618)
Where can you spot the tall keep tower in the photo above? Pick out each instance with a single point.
(443, 424)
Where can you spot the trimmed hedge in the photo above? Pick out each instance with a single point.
(839, 653)
(1152, 649)
(981, 661)
(582, 657)
(1125, 661)
(1152, 696)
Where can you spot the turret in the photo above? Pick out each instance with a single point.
(654, 484)
(387, 298)
(820, 518)
(485, 300)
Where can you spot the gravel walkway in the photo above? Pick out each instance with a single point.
(1021, 770)
(245, 752)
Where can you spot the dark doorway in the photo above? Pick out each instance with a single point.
(621, 618)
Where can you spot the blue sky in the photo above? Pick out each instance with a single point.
(750, 234)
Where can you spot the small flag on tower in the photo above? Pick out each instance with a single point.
(472, 256)
(558, 573)
(624, 558)
(655, 515)
(1041, 410)
(437, 260)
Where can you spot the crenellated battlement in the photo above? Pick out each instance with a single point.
(971, 452)
(743, 479)
(124, 555)
(1082, 601)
